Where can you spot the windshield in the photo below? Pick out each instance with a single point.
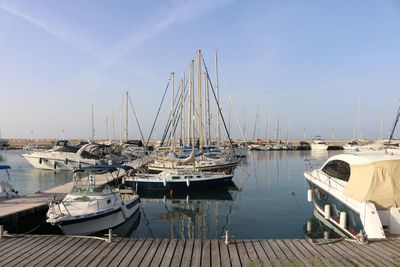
(90, 189)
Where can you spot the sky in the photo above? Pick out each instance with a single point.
(322, 67)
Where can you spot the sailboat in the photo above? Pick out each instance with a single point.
(192, 171)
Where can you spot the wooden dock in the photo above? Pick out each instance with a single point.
(79, 251)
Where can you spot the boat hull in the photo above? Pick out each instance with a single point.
(58, 162)
(148, 184)
(103, 220)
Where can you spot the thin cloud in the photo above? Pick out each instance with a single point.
(63, 36)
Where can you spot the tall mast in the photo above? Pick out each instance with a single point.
(182, 115)
(106, 128)
(199, 100)
(92, 139)
(207, 103)
(255, 124)
(126, 116)
(217, 87)
(113, 124)
(192, 104)
(277, 130)
(172, 110)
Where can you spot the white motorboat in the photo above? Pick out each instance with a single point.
(359, 193)
(64, 157)
(318, 144)
(6, 188)
(177, 179)
(92, 207)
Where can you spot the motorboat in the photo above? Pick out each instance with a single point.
(91, 207)
(66, 157)
(353, 145)
(318, 144)
(178, 179)
(6, 188)
(359, 193)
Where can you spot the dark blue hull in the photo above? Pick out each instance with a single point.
(180, 185)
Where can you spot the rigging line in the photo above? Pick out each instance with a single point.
(395, 124)
(219, 107)
(158, 112)
(233, 105)
(137, 121)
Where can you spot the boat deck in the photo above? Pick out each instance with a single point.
(79, 251)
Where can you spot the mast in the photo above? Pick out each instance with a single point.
(255, 124)
(217, 87)
(190, 109)
(199, 100)
(182, 115)
(207, 103)
(277, 130)
(106, 128)
(126, 116)
(172, 110)
(92, 139)
(394, 125)
(113, 124)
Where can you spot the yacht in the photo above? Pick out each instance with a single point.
(178, 179)
(91, 207)
(318, 144)
(359, 193)
(6, 188)
(66, 157)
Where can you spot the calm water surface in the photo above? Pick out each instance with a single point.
(268, 199)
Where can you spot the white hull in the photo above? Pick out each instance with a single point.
(61, 161)
(319, 146)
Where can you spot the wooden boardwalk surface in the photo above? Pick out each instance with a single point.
(78, 251)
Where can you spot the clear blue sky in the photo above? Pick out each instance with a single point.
(311, 62)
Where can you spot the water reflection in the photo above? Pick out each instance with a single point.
(196, 214)
(318, 227)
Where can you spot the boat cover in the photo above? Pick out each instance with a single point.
(378, 182)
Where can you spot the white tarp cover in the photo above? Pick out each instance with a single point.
(378, 182)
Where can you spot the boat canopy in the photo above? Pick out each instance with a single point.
(378, 182)
(5, 167)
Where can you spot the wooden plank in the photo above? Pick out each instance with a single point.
(130, 255)
(370, 256)
(113, 253)
(151, 253)
(270, 253)
(123, 253)
(386, 252)
(178, 255)
(187, 253)
(196, 255)
(66, 253)
(320, 253)
(28, 251)
(16, 251)
(293, 259)
(224, 252)
(242, 253)
(346, 256)
(142, 252)
(395, 252)
(57, 253)
(215, 254)
(206, 253)
(76, 251)
(62, 243)
(298, 256)
(85, 251)
(160, 252)
(31, 255)
(169, 253)
(10, 241)
(233, 254)
(262, 256)
(278, 252)
(315, 260)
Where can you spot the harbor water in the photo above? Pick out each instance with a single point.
(267, 200)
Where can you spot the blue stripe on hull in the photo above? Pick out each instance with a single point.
(133, 203)
(84, 219)
(181, 185)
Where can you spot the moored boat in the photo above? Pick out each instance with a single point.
(359, 193)
(92, 207)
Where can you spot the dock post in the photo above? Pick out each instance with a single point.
(1, 231)
(226, 237)
(109, 235)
